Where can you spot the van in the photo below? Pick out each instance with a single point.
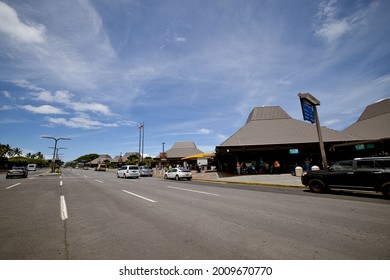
(32, 167)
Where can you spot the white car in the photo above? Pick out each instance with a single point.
(145, 171)
(178, 174)
(128, 171)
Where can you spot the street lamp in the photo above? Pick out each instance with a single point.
(55, 149)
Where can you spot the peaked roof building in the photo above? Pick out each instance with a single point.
(271, 134)
(374, 122)
(182, 149)
(270, 126)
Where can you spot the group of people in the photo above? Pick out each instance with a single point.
(262, 168)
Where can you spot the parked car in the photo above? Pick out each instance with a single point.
(17, 171)
(145, 171)
(178, 174)
(372, 174)
(128, 171)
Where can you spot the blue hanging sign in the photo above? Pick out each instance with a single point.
(307, 110)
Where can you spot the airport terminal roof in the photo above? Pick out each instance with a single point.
(271, 125)
(374, 122)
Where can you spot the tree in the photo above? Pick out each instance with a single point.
(4, 150)
(132, 160)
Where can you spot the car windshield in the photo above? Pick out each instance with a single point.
(17, 168)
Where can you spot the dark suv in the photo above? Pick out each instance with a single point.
(371, 174)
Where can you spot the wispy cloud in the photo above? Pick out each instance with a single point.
(80, 122)
(43, 109)
(11, 25)
(332, 25)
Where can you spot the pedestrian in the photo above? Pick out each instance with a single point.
(238, 168)
(199, 167)
(276, 167)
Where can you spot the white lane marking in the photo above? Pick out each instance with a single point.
(64, 211)
(192, 191)
(99, 181)
(150, 200)
(60, 183)
(12, 186)
(85, 176)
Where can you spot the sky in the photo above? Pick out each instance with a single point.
(190, 70)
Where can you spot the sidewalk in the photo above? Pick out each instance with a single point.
(286, 180)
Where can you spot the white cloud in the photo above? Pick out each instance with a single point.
(44, 109)
(80, 122)
(7, 94)
(60, 96)
(331, 26)
(92, 107)
(6, 107)
(11, 25)
(66, 98)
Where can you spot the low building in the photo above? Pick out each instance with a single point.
(179, 150)
(99, 160)
(271, 134)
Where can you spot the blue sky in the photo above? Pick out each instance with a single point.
(190, 70)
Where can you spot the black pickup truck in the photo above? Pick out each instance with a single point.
(371, 173)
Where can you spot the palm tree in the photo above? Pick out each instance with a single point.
(4, 149)
(17, 152)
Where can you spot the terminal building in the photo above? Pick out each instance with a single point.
(271, 134)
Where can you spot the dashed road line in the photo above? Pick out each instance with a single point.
(7, 188)
(64, 211)
(192, 191)
(147, 199)
(99, 181)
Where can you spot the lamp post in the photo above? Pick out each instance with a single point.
(55, 149)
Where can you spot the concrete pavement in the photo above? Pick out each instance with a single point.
(258, 179)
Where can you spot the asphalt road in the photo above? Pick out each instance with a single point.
(85, 214)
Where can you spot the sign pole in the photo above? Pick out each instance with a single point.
(309, 109)
(322, 147)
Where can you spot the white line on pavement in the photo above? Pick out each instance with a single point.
(64, 211)
(60, 183)
(150, 200)
(192, 191)
(12, 186)
(99, 181)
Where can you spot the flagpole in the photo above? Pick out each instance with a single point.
(139, 143)
(143, 140)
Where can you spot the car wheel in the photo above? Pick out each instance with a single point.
(177, 178)
(6, 177)
(117, 175)
(189, 179)
(165, 176)
(317, 186)
(124, 176)
(386, 190)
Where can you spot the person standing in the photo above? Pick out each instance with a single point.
(276, 167)
(238, 168)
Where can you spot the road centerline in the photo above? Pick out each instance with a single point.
(7, 188)
(99, 181)
(214, 194)
(64, 211)
(145, 198)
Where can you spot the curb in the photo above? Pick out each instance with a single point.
(251, 183)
